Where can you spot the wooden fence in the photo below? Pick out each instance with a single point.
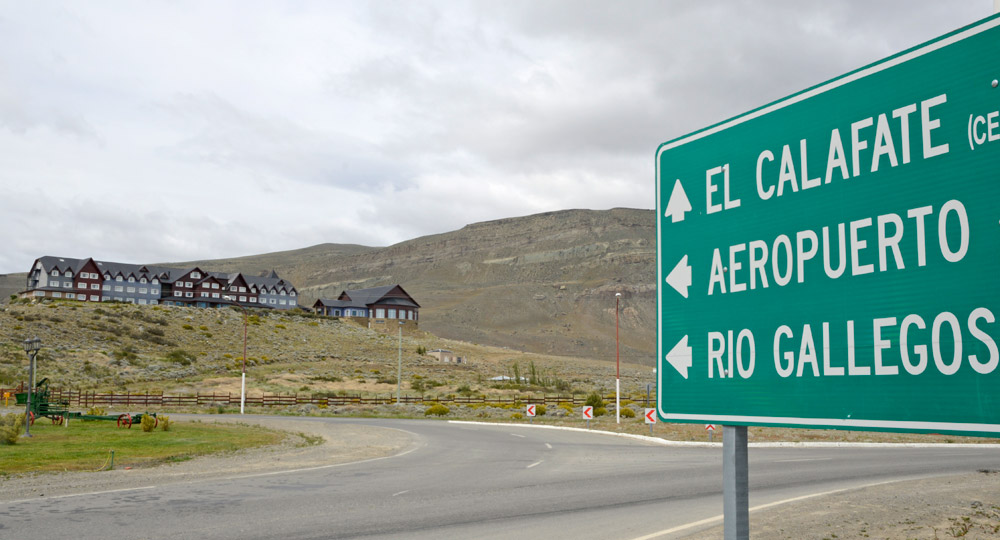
(86, 399)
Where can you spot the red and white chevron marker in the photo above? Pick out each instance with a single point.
(650, 416)
(531, 410)
(588, 412)
(709, 427)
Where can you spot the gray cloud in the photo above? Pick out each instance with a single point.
(230, 129)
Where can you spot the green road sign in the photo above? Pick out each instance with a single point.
(832, 259)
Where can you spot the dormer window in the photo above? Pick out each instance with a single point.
(118, 278)
(155, 281)
(55, 273)
(131, 279)
(69, 273)
(142, 280)
(195, 275)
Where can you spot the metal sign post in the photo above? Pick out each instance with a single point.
(735, 486)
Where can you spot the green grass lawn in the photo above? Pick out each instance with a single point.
(86, 446)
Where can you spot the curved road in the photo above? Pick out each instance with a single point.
(480, 481)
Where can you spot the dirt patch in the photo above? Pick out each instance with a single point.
(339, 443)
(965, 506)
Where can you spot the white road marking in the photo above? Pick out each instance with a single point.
(549, 446)
(36, 499)
(401, 492)
(803, 459)
(535, 464)
(718, 518)
(516, 435)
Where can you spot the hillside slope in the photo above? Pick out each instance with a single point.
(544, 283)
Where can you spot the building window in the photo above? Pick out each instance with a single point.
(282, 302)
(188, 294)
(156, 291)
(253, 300)
(243, 299)
(141, 301)
(154, 302)
(68, 284)
(81, 285)
(68, 295)
(68, 274)
(55, 273)
(119, 288)
(107, 287)
(143, 290)
(118, 299)
(42, 293)
(379, 313)
(273, 301)
(195, 275)
(243, 289)
(392, 313)
(95, 298)
(188, 284)
(118, 278)
(155, 281)
(56, 295)
(130, 290)
(204, 295)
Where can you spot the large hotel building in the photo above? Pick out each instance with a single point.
(87, 280)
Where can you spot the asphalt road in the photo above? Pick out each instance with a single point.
(476, 481)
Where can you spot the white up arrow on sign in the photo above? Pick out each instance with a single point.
(680, 357)
(680, 277)
(678, 205)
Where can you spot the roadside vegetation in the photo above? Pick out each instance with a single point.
(87, 446)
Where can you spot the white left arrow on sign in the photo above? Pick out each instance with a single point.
(680, 357)
(680, 277)
(678, 204)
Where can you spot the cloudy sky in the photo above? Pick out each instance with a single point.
(170, 131)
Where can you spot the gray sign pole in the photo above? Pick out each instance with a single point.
(735, 488)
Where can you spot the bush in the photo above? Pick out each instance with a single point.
(437, 410)
(148, 423)
(539, 410)
(595, 400)
(567, 407)
(421, 350)
(11, 426)
(517, 416)
(187, 327)
(600, 411)
(625, 412)
(165, 422)
(95, 411)
(464, 390)
(181, 357)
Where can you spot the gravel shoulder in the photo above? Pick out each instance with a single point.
(342, 443)
(962, 506)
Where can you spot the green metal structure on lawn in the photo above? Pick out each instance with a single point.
(59, 413)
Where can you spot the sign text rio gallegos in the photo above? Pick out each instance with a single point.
(833, 259)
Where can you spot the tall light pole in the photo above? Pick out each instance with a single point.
(399, 363)
(243, 376)
(618, 374)
(31, 346)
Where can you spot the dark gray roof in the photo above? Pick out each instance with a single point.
(339, 303)
(376, 295)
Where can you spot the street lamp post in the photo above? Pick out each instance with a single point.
(243, 376)
(618, 375)
(399, 364)
(31, 347)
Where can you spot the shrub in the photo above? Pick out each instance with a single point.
(464, 390)
(187, 327)
(567, 407)
(625, 412)
(281, 326)
(437, 410)
(11, 426)
(164, 422)
(539, 410)
(600, 411)
(95, 411)
(595, 400)
(517, 416)
(421, 350)
(203, 328)
(181, 357)
(148, 423)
